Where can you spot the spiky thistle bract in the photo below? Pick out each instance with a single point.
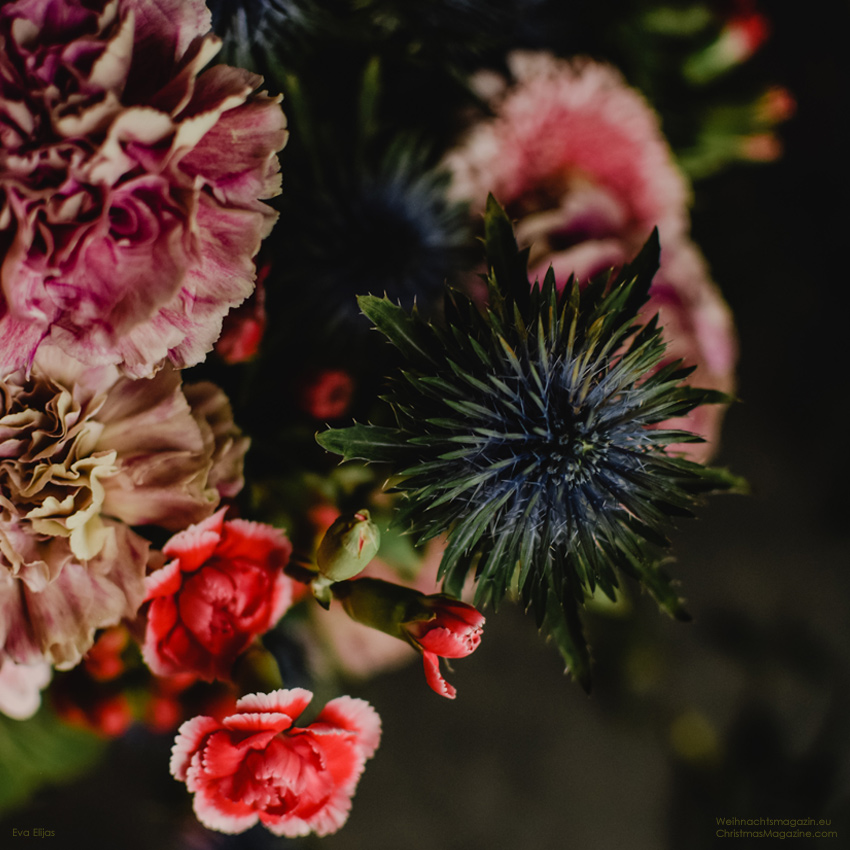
(532, 434)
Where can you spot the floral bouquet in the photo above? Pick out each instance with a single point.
(220, 490)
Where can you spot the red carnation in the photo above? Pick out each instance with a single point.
(225, 586)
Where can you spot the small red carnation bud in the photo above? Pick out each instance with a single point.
(439, 626)
(243, 327)
(103, 661)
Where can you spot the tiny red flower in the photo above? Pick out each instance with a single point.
(454, 631)
(103, 661)
(327, 394)
(225, 586)
(255, 765)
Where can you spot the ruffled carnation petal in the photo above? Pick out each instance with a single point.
(357, 716)
(196, 544)
(288, 701)
(434, 677)
(254, 765)
(58, 623)
(190, 737)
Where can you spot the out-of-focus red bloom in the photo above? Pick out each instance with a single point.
(777, 104)
(243, 328)
(327, 394)
(225, 587)
(103, 661)
(106, 713)
(255, 765)
(173, 699)
(744, 33)
(454, 631)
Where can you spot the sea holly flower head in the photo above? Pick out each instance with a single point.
(256, 765)
(530, 434)
(224, 586)
(131, 181)
(437, 625)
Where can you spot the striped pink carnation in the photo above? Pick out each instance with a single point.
(130, 181)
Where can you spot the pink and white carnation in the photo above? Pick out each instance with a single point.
(130, 181)
(86, 453)
(577, 158)
(256, 765)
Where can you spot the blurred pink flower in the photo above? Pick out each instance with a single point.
(129, 181)
(21, 686)
(571, 141)
(224, 587)
(84, 454)
(578, 159)
(255, 765)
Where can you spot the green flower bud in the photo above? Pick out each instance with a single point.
(348, 546)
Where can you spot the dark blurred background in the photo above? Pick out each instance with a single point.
(744, 713)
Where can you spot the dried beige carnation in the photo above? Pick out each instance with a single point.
(84, 454)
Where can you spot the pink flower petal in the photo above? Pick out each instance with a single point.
(163, 582)
(189, 739)
(196, 544)
(290, 702)
(354, 715)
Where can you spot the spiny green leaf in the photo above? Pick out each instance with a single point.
(562, 623)
(364, 442)
(403, 329)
